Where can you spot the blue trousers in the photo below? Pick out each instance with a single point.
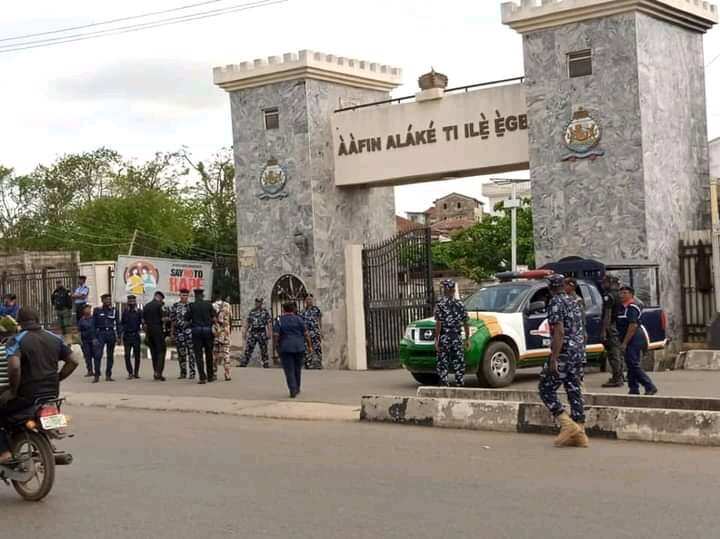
(636, 376)
(292, 364)
(92, 353)
(570, 368)
(107, 343)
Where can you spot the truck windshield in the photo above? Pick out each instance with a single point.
(501, 298)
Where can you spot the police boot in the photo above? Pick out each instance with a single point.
(580, 439)
(568, 429)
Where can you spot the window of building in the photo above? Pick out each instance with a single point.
(272, 118)
(459, 205)
(580, 63)
(444, 206)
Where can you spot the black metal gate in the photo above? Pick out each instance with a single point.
(697, 291)
(34, 289)
(398, 286)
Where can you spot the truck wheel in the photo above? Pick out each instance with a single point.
(498, 365)
(426, 378)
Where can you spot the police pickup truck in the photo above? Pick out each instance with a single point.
(509, 328)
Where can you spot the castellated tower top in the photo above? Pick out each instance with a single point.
(308, 64)
(531, 15)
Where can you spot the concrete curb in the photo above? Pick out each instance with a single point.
(700, 360)
(664, 402)
(691, 427)
(297, 410)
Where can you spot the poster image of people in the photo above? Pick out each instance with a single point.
(143, 276)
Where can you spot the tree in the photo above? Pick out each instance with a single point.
(484, 249)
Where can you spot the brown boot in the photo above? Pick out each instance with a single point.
(580, 439)
(568, 429)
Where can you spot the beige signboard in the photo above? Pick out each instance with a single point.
(461, 134)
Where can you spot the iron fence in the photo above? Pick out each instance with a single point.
(697, 291)
(34, 289)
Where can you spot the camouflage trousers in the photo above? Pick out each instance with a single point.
(221, 355)
(570, 367)
(253, 340)
(451, 354)
(186, 356)
(313, 357)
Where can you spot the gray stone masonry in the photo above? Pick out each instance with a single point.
(647, 94)
(328, 217)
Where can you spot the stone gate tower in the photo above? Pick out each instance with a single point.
(630, 72)
(292, 220)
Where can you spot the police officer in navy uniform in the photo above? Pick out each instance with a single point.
(450, 319)
(610, 336)
(633, 341)
(106, 327)
(130, 326)
(155, 321)
(257, 333)
(565, 365)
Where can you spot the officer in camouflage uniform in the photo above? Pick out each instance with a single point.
(313, 322)
(257, 332)
(222, 328)
(182, 333)
(565, 365)
(450, 318)
(610, 334)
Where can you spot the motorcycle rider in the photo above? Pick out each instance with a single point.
(33, 360)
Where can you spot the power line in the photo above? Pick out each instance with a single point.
(137, 27)
(59, 238)
(187, 247)
(110, 21)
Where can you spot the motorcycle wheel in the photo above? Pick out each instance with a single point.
(38, 449)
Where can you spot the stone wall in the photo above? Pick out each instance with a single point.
(327, 216)
(647, 94)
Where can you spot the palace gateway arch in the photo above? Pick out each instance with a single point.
(609, 119)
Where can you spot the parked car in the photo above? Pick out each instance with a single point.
(509, 328)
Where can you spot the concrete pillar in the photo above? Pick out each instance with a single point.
(355, 308)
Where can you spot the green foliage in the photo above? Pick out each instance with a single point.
(484, 249)
(95, 201)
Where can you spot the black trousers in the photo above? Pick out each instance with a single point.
(203, 341)
(11, 408)
(132, 348)
(292, 364)
(156, 343)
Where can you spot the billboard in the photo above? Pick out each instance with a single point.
(143, 276)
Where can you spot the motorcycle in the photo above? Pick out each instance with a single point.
(31, 433)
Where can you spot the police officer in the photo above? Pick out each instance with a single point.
(633, 341)
(106, 326)
(130, 326)
(609, 332)
(89, 343)
(182, 333)
(80, 296)
(222, 329)
(313, 322)
(450, 318)
(155, 322)
(564, 367)
(201, 315)
(257, 332)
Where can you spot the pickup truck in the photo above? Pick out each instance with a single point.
(509, 328)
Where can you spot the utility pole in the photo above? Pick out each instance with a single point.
(512, 204)
(132, 242)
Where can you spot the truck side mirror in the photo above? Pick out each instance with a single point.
(535, 307)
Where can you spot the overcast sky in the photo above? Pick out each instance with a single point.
(152, 91)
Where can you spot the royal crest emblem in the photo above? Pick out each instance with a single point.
(582, 136)
(273, 180)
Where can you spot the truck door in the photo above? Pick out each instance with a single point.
(537, 330)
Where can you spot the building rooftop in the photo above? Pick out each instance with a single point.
(308, 64)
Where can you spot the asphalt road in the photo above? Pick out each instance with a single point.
(151, 475)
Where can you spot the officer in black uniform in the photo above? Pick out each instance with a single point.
(257, 333)
(201, 315)
(155, 320)
(106, 328)
(130, 326)
(450, 318)
(610, 335)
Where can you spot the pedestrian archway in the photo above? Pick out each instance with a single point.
(287, 288)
